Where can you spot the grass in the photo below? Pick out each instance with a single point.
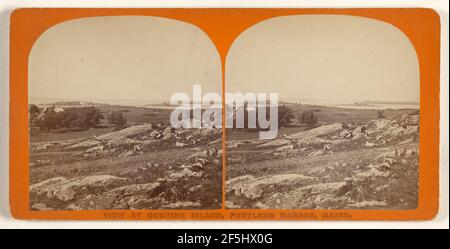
(37, 136)
(139, 115)
(345, 115)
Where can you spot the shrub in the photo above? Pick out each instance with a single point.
(309, 118)
(117, 118)
(285, 116)
(48, 122)
(81, 118)
(34, 109)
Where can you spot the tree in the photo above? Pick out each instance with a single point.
(285, 116)
(34, 109)
(91, 117)
(67, 119)
(77, 117)
(49, 121)
(117, 118)
(309, 118)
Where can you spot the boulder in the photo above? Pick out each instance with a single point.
(275, 143)
(39, 146)
(369, 144)
(251, 188)
(40, 207)
(126, 154)
(311, 140)
(180, 145)
(150, 142)
(85, 144)
(231, 205)
(261, 205)
(127, 132)
(316, 132)
(65, 189)
(252, 192)
(313, 196)
(244, 178)
(285, 148)
(406, 141)
(95, 149)
(169, 137)
(378, 124)
(316, 153)
(120, 142)
(201, 154)
(185, 173)
(73, 207)
(316, 171)
(368, 204)
(344, 133)
(167, 130)
(146, 189)
(182, 205)
(371, 173)
(195, 188)
(333, 189)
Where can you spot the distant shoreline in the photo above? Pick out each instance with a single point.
(370, 105)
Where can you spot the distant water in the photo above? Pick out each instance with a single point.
(46, 101)
(380, 106)
(351, 104)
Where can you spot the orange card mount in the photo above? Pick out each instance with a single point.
(93, 92)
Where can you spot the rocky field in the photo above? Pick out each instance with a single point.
(369, 163)
(360, 165)
(139, 167)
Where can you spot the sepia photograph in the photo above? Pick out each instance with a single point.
(348, 115)
(100, 134)
(265, 121)
(126, 113)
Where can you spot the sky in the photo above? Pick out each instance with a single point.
(324, 57)
(122, 59)
(147, 59)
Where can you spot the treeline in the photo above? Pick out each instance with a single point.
(72, 118)
(286, 117)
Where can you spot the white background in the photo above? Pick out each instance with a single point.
(6, 6)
